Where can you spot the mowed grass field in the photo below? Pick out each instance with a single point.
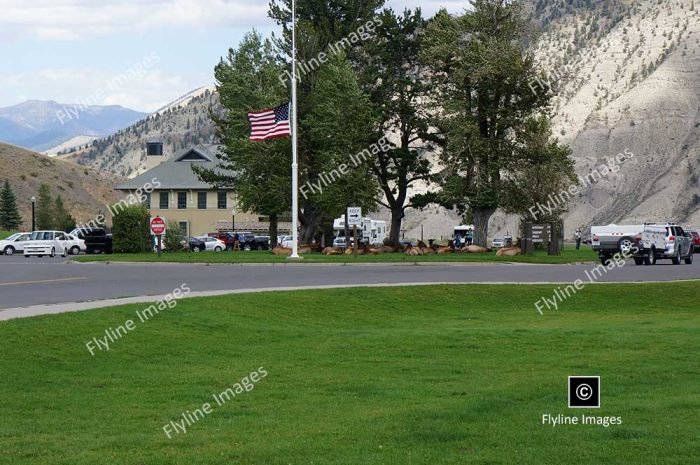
(569, 255)
(416, 375)
(5, 234)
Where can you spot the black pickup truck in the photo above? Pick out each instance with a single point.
(97, 240)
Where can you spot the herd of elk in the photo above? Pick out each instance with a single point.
(419, 249)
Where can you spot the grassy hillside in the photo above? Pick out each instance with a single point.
(424, 375)
(84, 190)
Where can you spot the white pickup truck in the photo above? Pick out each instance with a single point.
(646, 243)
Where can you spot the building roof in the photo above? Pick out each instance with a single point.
(176, 172)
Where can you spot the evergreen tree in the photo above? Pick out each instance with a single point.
(62, 219)
(10, 219)
(391, 73)
(321, 24)
(484, 107)
(336, 124)
(44, 207)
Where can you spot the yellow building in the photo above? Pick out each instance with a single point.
(177, 194)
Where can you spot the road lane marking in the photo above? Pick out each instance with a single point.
(43, 281)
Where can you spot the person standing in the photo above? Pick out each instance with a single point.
(470, 237)
(458, 241)
(577, 235)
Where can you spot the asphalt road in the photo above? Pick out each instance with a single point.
(33, 281)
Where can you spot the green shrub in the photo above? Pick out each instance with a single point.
(173, 238)
(131, 232)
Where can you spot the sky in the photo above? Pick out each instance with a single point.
(141, 54)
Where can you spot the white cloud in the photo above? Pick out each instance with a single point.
(76, 19)
(147, 92)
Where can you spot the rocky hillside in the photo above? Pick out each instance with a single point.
(635, 88)
(85, 192)
(181, 124)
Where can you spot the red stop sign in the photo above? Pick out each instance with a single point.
(157, 226)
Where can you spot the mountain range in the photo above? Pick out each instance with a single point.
(41, 125)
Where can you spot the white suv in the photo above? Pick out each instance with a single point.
(666, 241)
(49, 243)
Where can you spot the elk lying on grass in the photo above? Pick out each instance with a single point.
(474, 249)
(279, 250)
(508, 252)
(332, 251)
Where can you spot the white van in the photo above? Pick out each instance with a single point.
(49, 243)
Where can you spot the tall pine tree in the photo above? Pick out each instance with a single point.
(44, 208)
(10, 219)
(62, 219)
(484, 109)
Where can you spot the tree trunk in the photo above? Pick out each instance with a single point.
(328, 235)
(396, 219)
(272, 231)
(309, 223)
(481, 225)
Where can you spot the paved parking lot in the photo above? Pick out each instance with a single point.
(35, 281)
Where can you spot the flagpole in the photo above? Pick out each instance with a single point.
(295, 165)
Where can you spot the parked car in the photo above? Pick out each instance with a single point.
(285, 241)
(247, 240)
(212, 243)
(197, 245)
(695, 237)
(500, 242)
(340, 242)
(97, 240)
(14, 243)
(262, 242)
(228, 238)
(343, 242)
(75, 245)
(49, 243)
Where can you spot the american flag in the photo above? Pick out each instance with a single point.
(270, 123)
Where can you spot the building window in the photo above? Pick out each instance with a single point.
(181, 200)
(164, 200)
(221, 200)
(147, 199)
(202, 200)
(183, 228)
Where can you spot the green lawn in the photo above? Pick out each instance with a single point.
(569, 255)
(5, 234)
(416, 375)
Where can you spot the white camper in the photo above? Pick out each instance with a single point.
(372, 232)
